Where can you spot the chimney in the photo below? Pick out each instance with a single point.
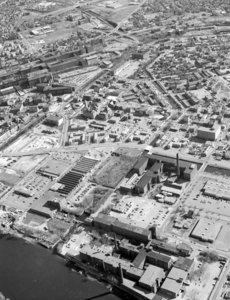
(177, 166)
(121, 273)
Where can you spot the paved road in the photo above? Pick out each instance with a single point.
(75, 149)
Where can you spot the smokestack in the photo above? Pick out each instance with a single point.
(177, 166)
(115, 242)
(121, 273)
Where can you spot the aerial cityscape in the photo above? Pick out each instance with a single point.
(115, 143)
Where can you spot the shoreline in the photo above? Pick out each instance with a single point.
(10, 233)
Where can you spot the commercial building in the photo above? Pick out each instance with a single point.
(209, 134)
(53, 120)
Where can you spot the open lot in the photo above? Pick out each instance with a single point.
(27, 163)
(9, 176)
(16, 201)
(31, 142)
(127, 69)
(76, 242)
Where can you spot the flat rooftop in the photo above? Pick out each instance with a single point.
(206, 229)
(151, 274)
(54, 167)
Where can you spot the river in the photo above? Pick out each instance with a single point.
(30, 272)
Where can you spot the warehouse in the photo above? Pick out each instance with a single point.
(206, 230)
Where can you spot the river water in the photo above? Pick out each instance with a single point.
(30, 272)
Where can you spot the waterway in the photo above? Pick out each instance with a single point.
(31, 272)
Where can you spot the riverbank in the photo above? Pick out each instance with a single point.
(2, 297)
(37, 274)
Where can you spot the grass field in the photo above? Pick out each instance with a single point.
(114, 170)
(58, 227)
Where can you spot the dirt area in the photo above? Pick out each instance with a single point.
(16, 201)
(127, 69)
(27, 163)
(114, 170)
(7, 161)
(76, 242)
(31, 142)
(9, 177)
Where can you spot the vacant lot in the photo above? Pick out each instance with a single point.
(115, 169)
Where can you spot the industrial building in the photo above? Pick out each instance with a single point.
(149, 168)
(152, 278)
(173, 283)
(181, 249)
(109, 223)
(53, 168)
(72, 178)
(159, 259)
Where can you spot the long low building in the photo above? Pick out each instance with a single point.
(217, 190)
(206, 230)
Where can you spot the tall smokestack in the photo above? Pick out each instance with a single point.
(121, 273)
(115, 242)
(177, 166)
